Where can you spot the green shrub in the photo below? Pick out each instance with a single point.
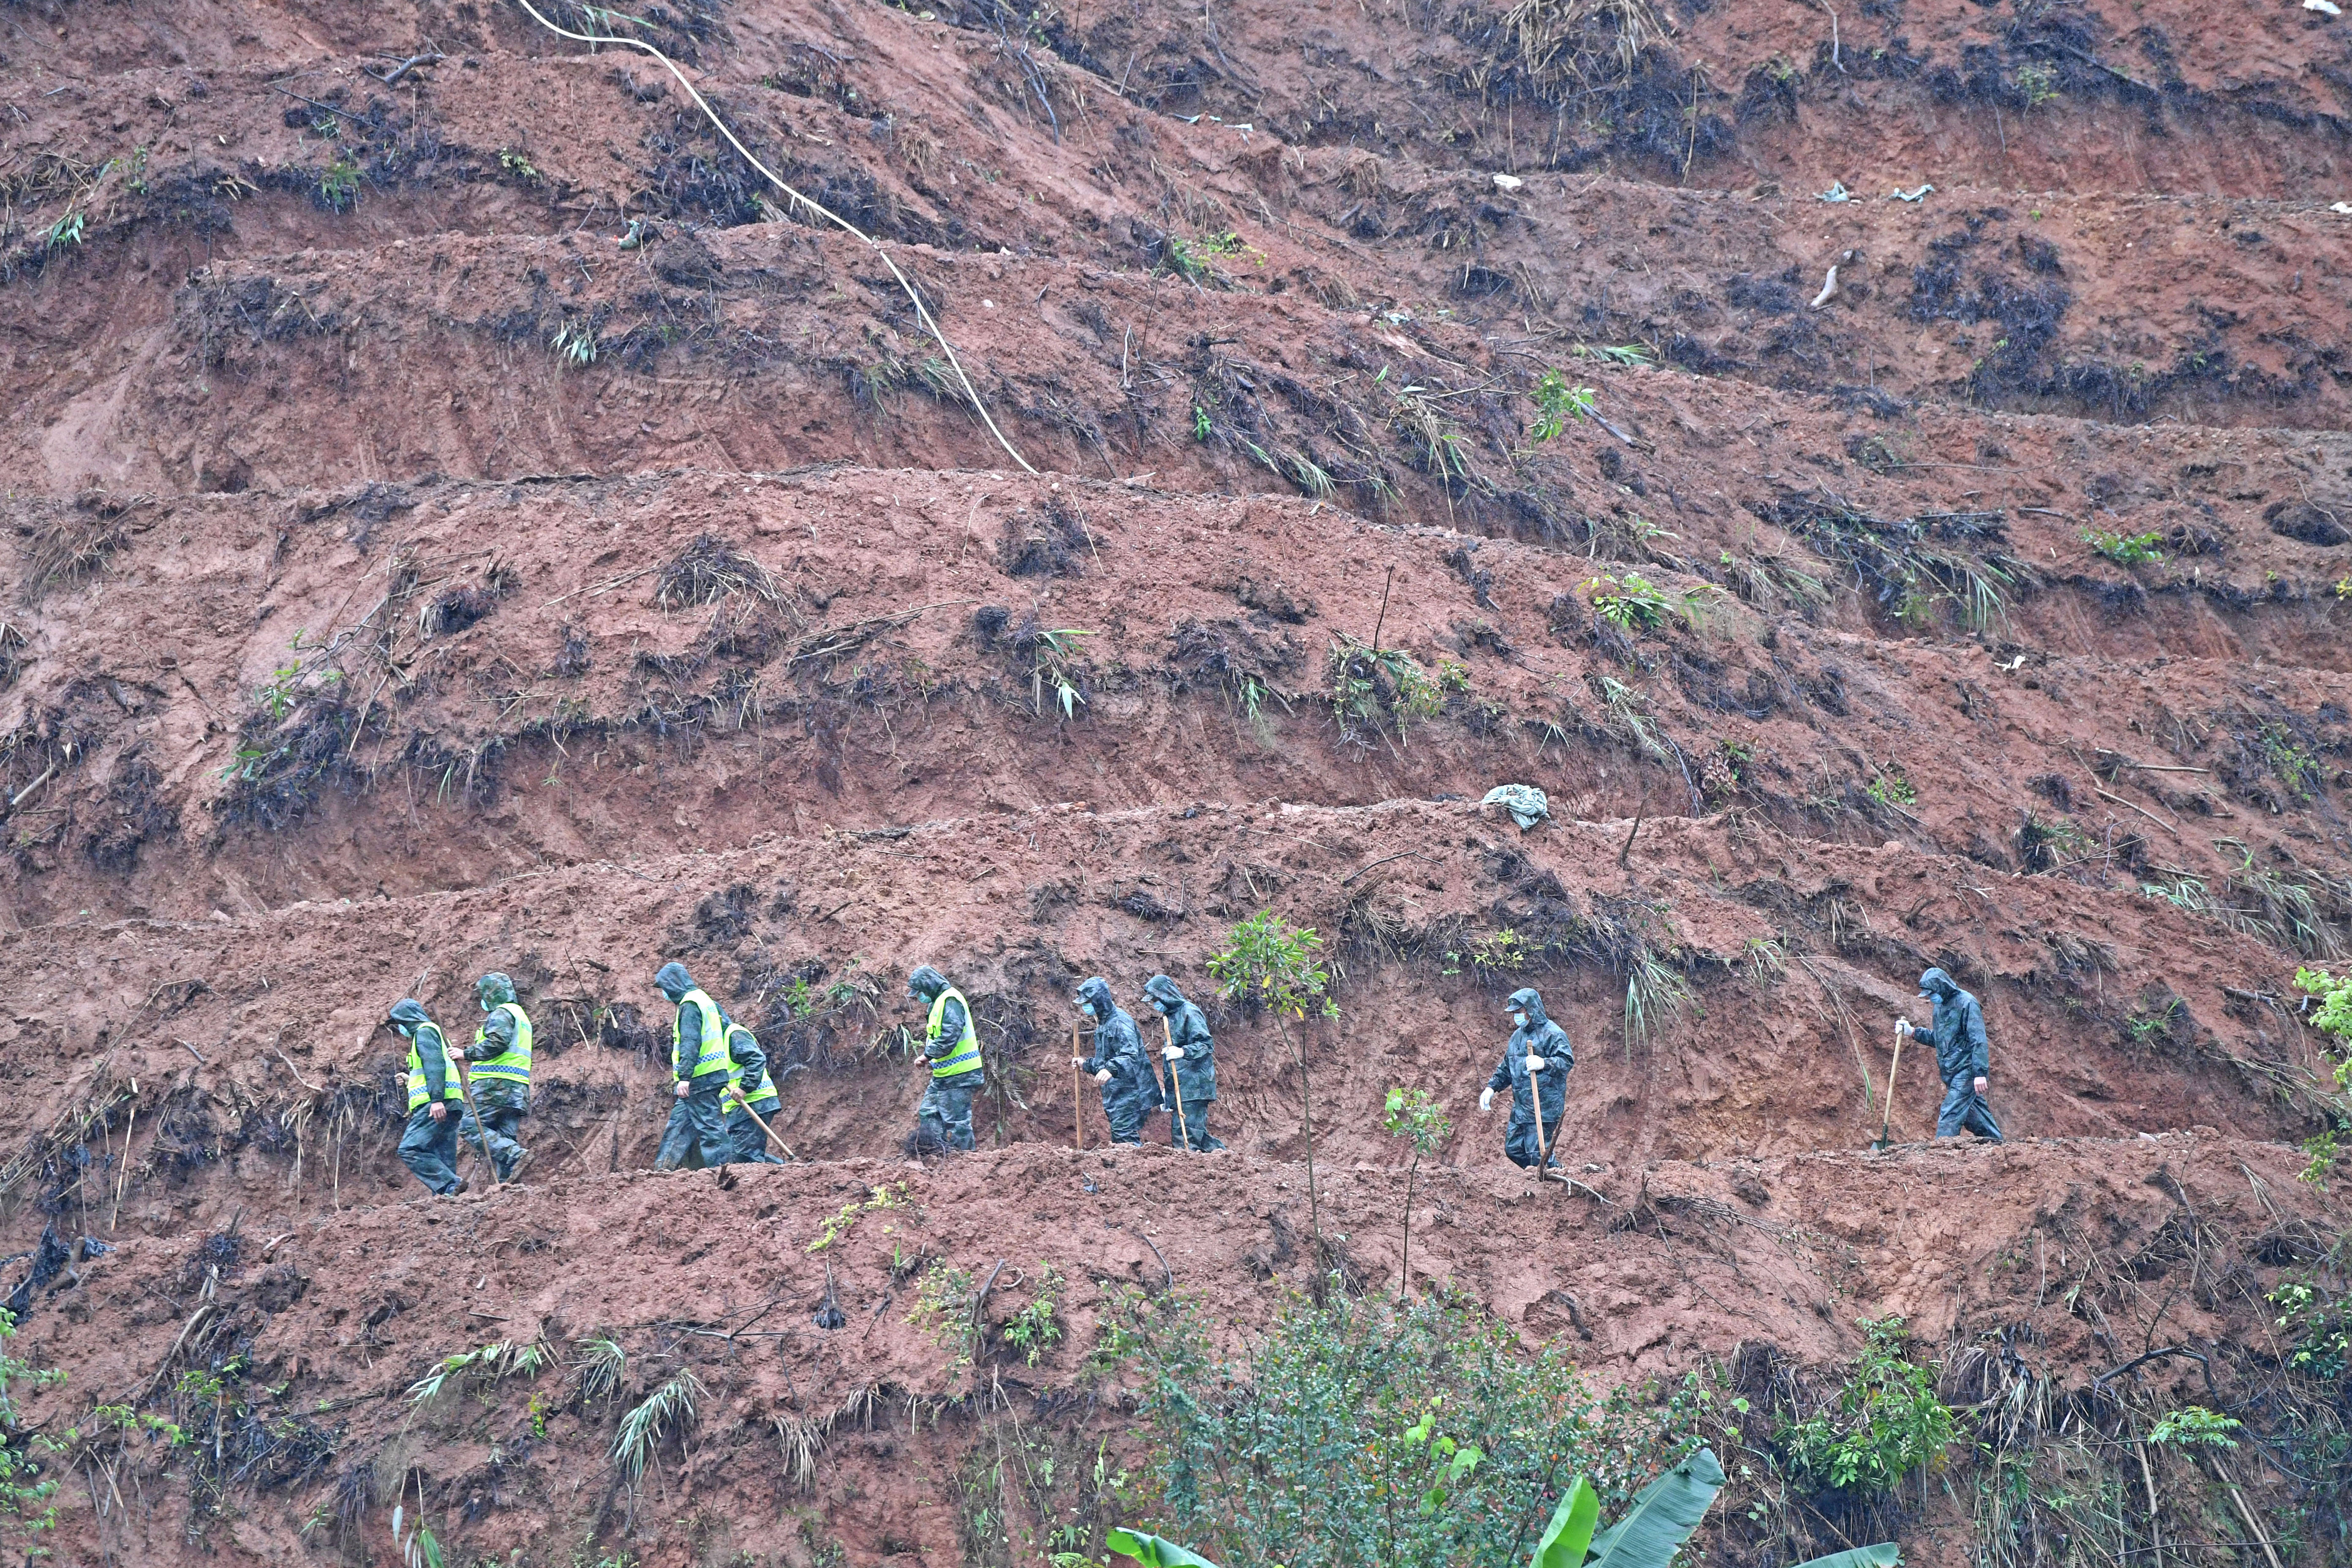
(1269, 963)
(2319, 1328)
(2127, 549)
(25, 1486)
(1327, 1447)
(1557, 403)
(1886, 1423)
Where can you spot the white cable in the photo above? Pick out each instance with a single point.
(922, 313)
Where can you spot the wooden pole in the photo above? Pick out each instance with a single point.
(481, 1127)
(765, 1128)
(1888, 1119)
(1078, 1106)
(1535, 1093)
(1184, 1127)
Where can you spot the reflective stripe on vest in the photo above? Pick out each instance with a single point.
(967, 1053)
(713, 1056)
(513, 1064)
(452, 1086)
(764, 1091)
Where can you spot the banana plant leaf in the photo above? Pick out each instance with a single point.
(1885, 1554)
(1153, 1552)
(1662, 1517)
(1566, 1538)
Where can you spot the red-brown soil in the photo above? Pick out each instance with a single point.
(406, 580)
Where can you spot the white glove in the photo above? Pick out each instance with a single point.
(1172, 1053)
(1486, 1100)
(682, 1088)
(1102, 1077)
(1077, 1061)
(1535, 1063)
(1902, 1026)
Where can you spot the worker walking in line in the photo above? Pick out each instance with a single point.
(1130, 1088)
(501, 1056)
(436, 1098)
(1963, 1056)
(1534, 1068)
(943, 1120)
(697, 1133)
(1191, 1060)
(749, 1085)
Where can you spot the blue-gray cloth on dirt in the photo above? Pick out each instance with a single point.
(1527, 804)
(1191, 1078)
(429, 1148)
(1536, 1034)
(1134, 1090)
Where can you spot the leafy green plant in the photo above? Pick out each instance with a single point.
(339, 185)
(1891, 788)
(2037, 84)
(1413, 1115)
(838, 1226)
(1654, 993)
(943, 1304)
(25, 1488)
(492, 1362)
(1633, 603)
(1653, 1527)
(1036, 1328)
(1767, 960)
(1557, 403)
(1617, 354)
(2319, 1328)
(67, 231)
(666, 1411)
(1266, 961)
(516, 163)
(1370, 687)
(1319, 1450)
(1054, 662)
(1201, 427)
(1500, 951)
(1191, 260)
(2127, 549)
(2297, 767)
(1147, 1549)
(601, 1366)
(574, 341)
(1887, 1422)
(2193, 1425)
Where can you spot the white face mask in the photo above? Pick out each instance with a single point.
(1520, 1019)
(1087, 1008)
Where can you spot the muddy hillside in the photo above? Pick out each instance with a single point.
(808, 488)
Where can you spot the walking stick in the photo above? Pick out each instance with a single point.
(1184, 1125)
(481, 1127)
(1883, 1144)
(1078, 1106)
(765, 1128)
(1534, 1092)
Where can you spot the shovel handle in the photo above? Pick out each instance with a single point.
(481, 1127)
(1182, 1126)
(1077, 1105)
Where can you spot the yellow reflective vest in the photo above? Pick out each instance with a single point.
(513, 1064)
(713, 1054)
(966, 1057)
(453, 1088)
